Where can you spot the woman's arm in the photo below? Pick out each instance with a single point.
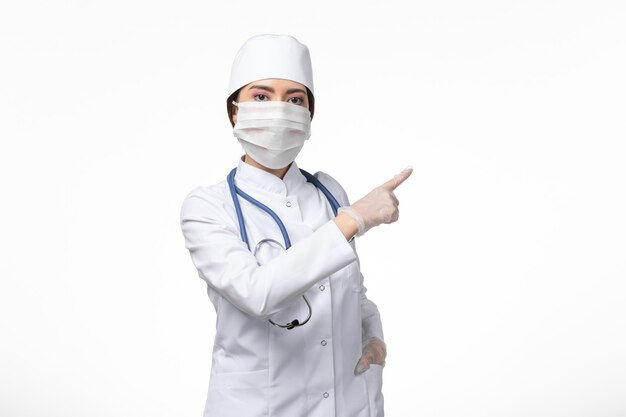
(374, 347)
(347, 225)
(370, 318)
(226, 264)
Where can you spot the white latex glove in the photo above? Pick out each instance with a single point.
(379, 206)
(374, 351)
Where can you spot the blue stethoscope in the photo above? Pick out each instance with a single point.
(235, 191)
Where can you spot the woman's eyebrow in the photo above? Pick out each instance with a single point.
(296, 90)
(261, 87)
(271, 90)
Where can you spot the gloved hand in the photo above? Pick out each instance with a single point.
(379, 206)
(374, 351)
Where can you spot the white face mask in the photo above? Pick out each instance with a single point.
(272, 132)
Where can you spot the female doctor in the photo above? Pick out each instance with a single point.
(295, 336)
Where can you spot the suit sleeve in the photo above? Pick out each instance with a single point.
(226, 264)
(370, 316)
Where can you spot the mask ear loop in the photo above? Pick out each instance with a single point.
(235, 103)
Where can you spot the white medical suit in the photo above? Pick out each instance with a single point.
(261, 370)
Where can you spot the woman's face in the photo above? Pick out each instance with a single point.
(273, 89)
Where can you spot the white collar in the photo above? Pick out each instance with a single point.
(263, 180)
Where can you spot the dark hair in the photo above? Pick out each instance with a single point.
(234, 96)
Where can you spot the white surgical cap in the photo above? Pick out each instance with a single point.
(271, 56)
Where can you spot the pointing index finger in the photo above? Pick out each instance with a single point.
(398, 179)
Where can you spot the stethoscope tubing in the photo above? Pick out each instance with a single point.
(236, 191)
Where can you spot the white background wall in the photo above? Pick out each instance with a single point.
(502, 288)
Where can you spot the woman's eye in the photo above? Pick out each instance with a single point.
(260, 97)
(296, 100)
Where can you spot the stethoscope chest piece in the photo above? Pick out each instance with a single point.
(274, 243)
(267, 243)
